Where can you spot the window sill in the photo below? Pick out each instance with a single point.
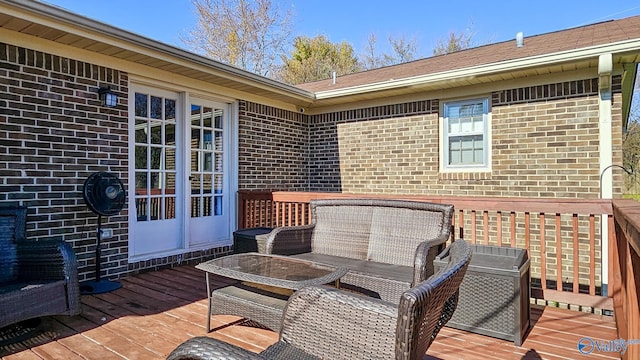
(465, 175)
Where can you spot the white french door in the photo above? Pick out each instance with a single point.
(179, 165)
(208, 184)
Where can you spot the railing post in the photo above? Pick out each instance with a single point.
(241, 210)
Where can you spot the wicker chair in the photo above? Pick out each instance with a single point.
(328, 323)
(37, 278)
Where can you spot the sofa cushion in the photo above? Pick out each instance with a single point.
(375, 269)
(342, 231)
(397, 232)
(375, 279)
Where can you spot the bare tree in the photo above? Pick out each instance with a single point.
(403, 50)
(455, 41)
(370, 60)
(631, 144)
(249, 34)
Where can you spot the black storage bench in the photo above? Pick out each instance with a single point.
(494, 294)
(245, 240)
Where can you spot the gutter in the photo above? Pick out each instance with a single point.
(486, 69)
(73, 20)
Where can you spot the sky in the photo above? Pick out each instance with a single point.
(353, 21)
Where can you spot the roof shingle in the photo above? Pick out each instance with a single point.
(565, 40)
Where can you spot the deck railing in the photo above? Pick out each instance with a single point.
(625, 286)
(562, 236)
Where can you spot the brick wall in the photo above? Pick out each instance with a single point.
(376, 149)
(53, 134)
(544, 144)
(273, 149)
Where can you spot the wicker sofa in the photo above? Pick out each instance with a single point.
(37, 278)
(328, 323)
(387, 245)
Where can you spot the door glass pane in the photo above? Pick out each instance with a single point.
(141, 183)
(218, 162)
(142, 211)
(195, 115)
(141, 104)
(170, 109)
(195, 207)
(170, 159)
(218, 184)
(206, 206)
(195, 184)
(156, 132)
(141, 157)
(156, 108)
(194, 160)
(155, 208)
(155, 157)
(207, 114)
(156, 183)
(195, 138)
(207, 184)
(170, 134)
(218, 206)
(218, 118)
(206, 157)
(218, 141)
(141, 131)
(170, 184)
(170, 207)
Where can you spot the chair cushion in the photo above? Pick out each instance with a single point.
(342, 231)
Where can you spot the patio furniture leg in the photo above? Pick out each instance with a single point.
(208, 306)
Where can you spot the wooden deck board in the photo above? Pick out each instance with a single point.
(154, 312)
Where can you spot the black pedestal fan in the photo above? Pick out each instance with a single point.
(104, 195)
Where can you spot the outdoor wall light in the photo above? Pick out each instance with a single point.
(107, 97)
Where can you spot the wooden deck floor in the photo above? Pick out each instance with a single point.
(154, 312)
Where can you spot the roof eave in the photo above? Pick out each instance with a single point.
(112, 33)
(483, 70)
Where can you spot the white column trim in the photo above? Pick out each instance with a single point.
(605, 68)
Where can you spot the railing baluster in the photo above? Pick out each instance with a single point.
(473, 226)
(512, 222)
(460, 224)
(576, 255)
(527, 232)
(485, 216)
(558, 253)
(499, 221)
(592, 254)
(543, 258)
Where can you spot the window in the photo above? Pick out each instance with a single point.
(466, 133)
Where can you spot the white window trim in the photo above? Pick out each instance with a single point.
(444, 143)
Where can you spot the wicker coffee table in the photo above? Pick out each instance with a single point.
(266, 281)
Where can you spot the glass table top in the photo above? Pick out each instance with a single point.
(273, 270)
